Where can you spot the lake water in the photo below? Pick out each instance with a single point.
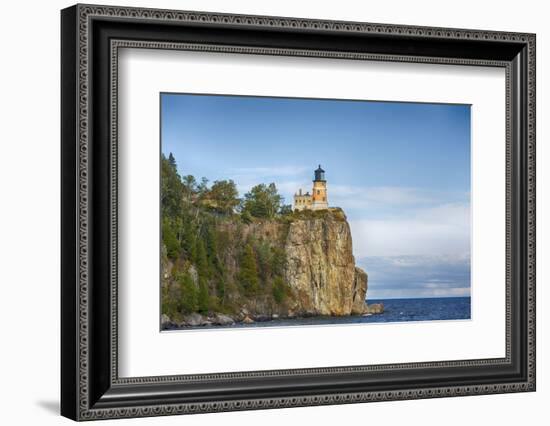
(395, 310)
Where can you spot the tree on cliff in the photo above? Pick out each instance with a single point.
(223, 196)
(189, 187)
(280, 290)
(202, 188)
(262, 201)
(248, 274)
(170, 240)
(171, 188)
(203, 297)
(188, 293)
(202, 260)
(217, 271)
(189, 238)
(285, 209)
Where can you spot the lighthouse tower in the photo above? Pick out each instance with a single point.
(317, 200)
(319, 197)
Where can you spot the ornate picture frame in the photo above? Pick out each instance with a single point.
(91, 37)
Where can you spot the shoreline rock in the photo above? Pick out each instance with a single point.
(374, 309)
(166, 323)
(219, 319)
(248, 320)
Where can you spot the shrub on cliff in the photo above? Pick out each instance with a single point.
(280, 290)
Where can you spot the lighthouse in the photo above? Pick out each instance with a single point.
(317, 200)
(319, 196)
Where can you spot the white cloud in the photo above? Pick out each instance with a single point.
(417, 276)
(347, 196)
(414, 292)
(436, 231)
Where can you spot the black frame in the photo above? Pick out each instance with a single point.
(90, 386)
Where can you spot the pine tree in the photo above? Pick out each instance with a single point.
(262, 201)
(172, 161)
(264, 261)
(202, 260)
(279, 290)
(171, 188)
(188, 293)
(248, 274)
(170, 240)
(189, 239)
(216, 269)
(224, 195)
(203, 297)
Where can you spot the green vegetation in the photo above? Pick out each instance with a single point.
(214, 264)
(188, 293)
(248, 274)
(262, 201)
(280, 290)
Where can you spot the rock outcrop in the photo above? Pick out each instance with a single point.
(375, 308)
(320, 267)
(311, 255)
(360, 286)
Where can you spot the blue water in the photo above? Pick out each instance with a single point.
(428, 309)
(395, 310)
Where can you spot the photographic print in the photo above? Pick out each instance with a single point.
(290, 211)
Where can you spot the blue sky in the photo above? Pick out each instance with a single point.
(400, 171)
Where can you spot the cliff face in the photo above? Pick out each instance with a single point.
(304, 267)
(320, 267)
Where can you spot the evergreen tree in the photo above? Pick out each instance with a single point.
(172, 161)
(202, 260)
(215, 268)
(170, 240)
(246, 217)
(262, 201)
(264, 261)
(189, 239)
(224, 196)
(188, 293)
(169, 303)
(189, 187)
(171, 189)
(279, 290)
(278, 261)
(203, 297)
(285, 209)
(248, 274)
(202, 188)
(220, 288)
(212, 248)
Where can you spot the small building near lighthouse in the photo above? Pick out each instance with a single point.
(318, 199)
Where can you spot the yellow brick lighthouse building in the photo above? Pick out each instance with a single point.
(317, 200)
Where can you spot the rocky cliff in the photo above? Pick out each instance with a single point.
(320, 267)
(305, 267)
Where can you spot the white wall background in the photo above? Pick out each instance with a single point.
(29, 225)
